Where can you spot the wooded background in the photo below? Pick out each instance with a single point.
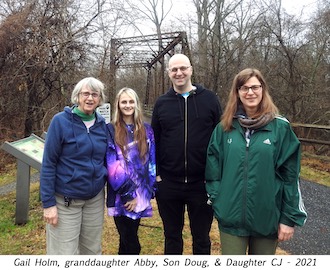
(47, 46)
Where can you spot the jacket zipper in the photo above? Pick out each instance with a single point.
(89, 136)
(185, 138)
(247, 139)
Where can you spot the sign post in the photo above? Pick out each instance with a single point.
(22, 192)
(28, 152)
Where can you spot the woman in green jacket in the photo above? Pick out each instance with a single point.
(252, 171)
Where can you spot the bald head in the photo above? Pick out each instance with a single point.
(179, 58)
(180, 72)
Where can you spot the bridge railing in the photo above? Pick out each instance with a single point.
(310, 133)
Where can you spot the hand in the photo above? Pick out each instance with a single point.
(285, 232)
(158, 178)
(50, 215)
(130, 206)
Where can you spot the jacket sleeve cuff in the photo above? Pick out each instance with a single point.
(286, 221)
(128, 197)
(127, 191)
(49, 203)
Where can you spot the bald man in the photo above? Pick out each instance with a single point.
(183, 120)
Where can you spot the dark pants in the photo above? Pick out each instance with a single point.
(129, 243)
(172, 200)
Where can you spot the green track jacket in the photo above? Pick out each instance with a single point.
(255, 186)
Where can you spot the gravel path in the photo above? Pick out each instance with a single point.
(314, 237)
(311, 239)
(12, 186)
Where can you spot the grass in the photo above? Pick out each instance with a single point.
(315, 168)
(29, 239)
(9, 173)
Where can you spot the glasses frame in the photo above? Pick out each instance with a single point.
(176, 69)
(88, 94)
(245, 89)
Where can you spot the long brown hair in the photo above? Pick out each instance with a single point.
(121, 135)
(266, 104)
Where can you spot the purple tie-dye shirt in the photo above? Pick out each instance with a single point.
(130, 178)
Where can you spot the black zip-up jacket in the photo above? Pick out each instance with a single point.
(182, 129)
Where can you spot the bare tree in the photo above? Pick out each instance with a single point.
(12, 84)
(225, 30)
(47, 57)
(287, 35)
(315, 67)
(155, 11)
(47, 45)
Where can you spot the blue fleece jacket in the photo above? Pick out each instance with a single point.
(74, 158)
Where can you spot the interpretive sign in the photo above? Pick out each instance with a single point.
(29, 149)
(28, 152)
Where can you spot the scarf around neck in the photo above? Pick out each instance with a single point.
(257, 122)
(252, 123)
(84, 116)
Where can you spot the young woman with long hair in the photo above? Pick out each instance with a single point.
(131, 169)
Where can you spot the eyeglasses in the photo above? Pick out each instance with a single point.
(175, 69)
(245, 89)
(87, 94)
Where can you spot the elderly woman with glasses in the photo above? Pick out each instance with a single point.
(74, 173)
(252, 171)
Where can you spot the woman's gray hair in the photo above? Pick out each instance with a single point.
(93, 85)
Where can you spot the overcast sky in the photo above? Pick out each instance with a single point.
(185, 9)
(292, 6)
